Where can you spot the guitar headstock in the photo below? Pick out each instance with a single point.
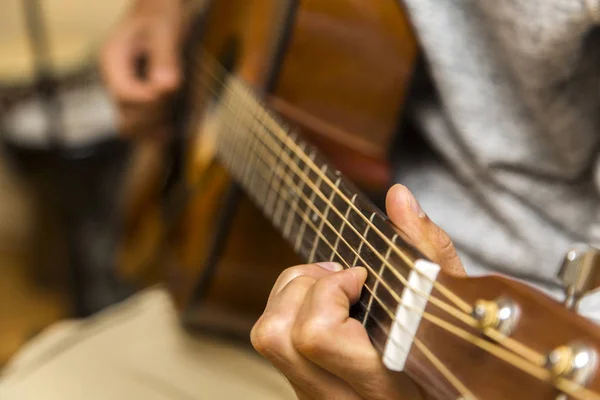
(497, 338)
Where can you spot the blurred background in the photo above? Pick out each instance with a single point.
(58, 193)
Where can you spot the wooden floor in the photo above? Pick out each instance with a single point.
(26, 305)
(30, 299)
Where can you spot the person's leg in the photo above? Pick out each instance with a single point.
(137, 350)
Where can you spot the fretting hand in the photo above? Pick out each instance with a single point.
(140, 63)
(306, 332)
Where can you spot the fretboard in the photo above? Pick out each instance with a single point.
(322, 215)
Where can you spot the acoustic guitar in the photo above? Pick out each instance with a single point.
(273, 88)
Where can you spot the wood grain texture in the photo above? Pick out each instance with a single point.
(246, 266)
(344, 79)
(343, 89)
(544, 324)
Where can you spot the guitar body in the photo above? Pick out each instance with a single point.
(335, 72)
(338, 70)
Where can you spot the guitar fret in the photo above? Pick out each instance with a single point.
(285, 174)
(250, 164)
(271, 196)
(265, 178)
(295, 190)
(309, 212)
(341, 230)
(269, 205)
(254, 133)
(301, 190)
(252, 144)
(251, 120)
(362, 241)
(244, 141)
(223, 142)
(234, 133)
(263, 184)
(224, 134)
(373, 292)
(323, 217)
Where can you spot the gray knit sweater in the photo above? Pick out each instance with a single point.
(516, 125)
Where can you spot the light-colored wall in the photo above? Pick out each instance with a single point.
(76, 27)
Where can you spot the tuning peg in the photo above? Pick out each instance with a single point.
(575, 361)
(580, 273)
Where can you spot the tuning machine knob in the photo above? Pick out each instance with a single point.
(577, 362)
(580, 273)
(501, 314)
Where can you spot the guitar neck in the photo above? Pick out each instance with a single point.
(322, 215)
(310, 202)
(421, 320)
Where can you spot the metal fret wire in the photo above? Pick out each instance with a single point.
(501, 353)
(453, 311)
(517, 347)
(465, 318)
(446, 292)
(309, 203)
(495, 350)
(563, 384)
(460, 387)
(278, 131)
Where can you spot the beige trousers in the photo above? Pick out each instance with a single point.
(136, 350)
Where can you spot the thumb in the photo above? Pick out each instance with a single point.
(165, 69)
(418, 230)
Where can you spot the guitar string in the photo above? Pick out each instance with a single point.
(517, 347)
(460, 387)
(363, 216)
(282, 135)
(277, 170)
(438, 364)
(465, 393)
(466, 319)
(504, 355)
(351, 248)
(514, 345)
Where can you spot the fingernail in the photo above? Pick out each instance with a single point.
(330, 266)
(413, 203)
(361, 273)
